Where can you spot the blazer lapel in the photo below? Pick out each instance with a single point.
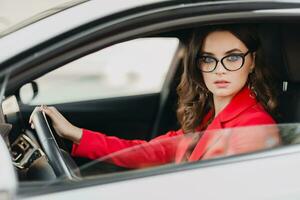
(207, 140)
(242, 101)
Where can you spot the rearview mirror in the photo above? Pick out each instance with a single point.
(28, 92)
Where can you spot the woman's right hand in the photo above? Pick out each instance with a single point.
(60, 124)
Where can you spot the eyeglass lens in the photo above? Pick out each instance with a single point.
(230, 62)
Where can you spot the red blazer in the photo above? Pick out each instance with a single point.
(176, 146)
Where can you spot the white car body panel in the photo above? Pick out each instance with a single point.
(235, 181)
(8, 179)
(61, 22)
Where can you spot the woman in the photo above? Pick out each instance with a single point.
(225, 84)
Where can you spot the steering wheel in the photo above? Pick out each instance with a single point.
(59, 162)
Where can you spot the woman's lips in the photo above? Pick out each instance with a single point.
(221, 83)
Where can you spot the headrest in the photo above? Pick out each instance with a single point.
(290, 39)
(272, 48)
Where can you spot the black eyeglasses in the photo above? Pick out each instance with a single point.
(231, 62)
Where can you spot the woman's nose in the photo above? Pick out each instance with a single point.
(220, 69)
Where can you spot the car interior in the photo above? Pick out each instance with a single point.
(122, 116)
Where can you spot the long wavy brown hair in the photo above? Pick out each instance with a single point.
(195, 99)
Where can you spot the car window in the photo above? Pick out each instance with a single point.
(221, 143)
(130, 68)
(234, 143)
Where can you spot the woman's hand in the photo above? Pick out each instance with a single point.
(60, 124)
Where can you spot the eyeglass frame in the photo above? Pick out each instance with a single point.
(243, 55)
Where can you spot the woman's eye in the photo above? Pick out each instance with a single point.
(233, 58)
(207, 59)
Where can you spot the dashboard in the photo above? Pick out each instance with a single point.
(28, 158)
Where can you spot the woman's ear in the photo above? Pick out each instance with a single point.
(253, 62)
(254, 55)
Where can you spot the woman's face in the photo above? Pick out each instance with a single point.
(221, 82)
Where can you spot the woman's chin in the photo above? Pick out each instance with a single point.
(223, 92)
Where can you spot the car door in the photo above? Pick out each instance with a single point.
(213, 179)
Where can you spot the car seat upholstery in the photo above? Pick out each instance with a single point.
(289, 99)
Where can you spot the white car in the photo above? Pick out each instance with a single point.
(113, 66)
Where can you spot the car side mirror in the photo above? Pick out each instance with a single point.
(28, 92)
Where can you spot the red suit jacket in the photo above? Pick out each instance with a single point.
(175, 146)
